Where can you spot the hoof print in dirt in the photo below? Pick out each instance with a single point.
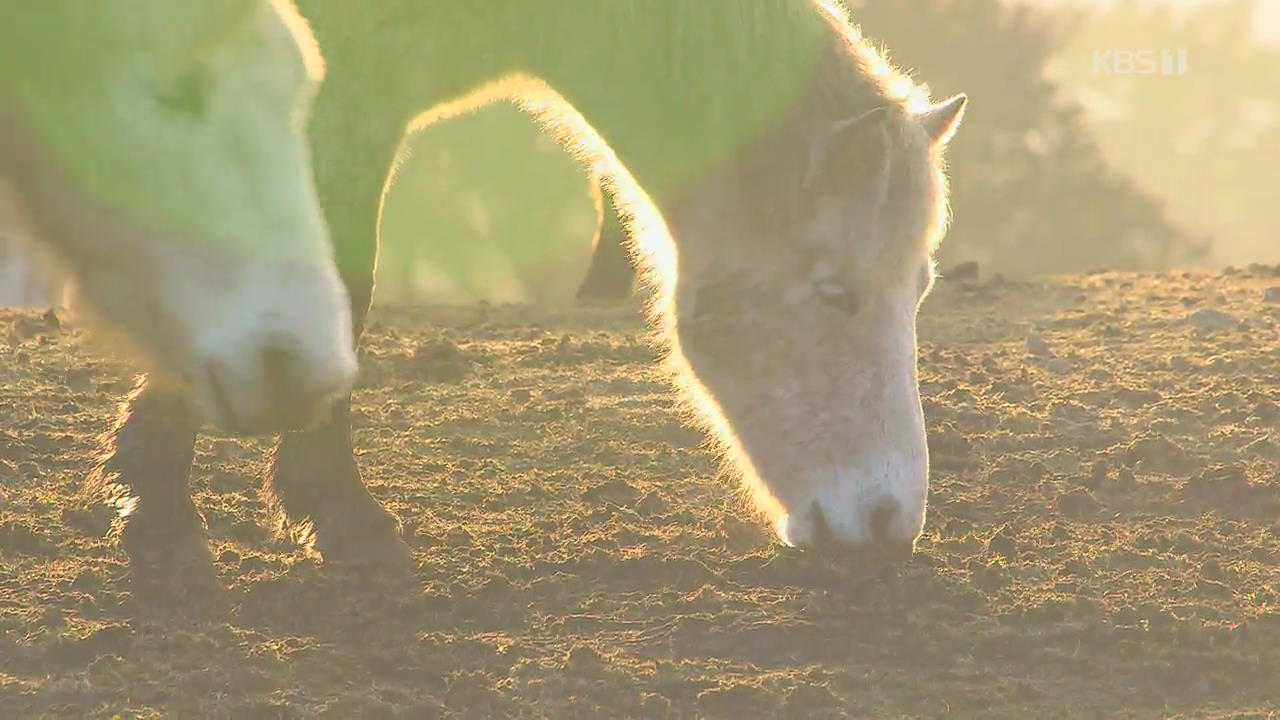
(1078, 503)
(1212, 320)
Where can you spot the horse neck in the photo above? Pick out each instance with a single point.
(668, 104)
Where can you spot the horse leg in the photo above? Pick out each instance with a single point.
(612, 272)
(145, 469)
(313, 482)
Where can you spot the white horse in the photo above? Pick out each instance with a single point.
(156, 150)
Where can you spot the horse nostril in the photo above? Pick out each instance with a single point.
(282, 368)
(296, 404)
(889, 545)
(880, 538)
(883, 517)
(822, 536)
(218, 389)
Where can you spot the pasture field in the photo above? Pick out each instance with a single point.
(1103, 536)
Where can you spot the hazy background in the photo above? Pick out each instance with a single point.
(1060, 167)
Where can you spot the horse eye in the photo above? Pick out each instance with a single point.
(717, 301)
(715, 319)
(188, 95)
(837, 294)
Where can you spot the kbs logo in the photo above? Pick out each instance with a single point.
(1140, 62)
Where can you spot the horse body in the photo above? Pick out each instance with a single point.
(783, 186)
(155, 152)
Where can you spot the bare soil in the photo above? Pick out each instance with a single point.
(1103, 537)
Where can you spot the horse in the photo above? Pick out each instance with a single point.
(784, 192)
(154, 152)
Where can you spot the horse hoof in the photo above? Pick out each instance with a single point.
(176, 575)
(165, 546)
(376, 547)
(389, 559)
(185, 555)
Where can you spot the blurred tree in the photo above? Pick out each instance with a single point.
(1032, 192)
(1206, 141)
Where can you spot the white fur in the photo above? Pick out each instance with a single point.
(296, 309)
(886, 464)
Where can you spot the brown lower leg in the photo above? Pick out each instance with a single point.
(314, 482)
(146, 470)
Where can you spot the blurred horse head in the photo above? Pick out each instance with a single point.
(157, 150)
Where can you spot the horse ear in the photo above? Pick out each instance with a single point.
(942, 119)
(857, 145)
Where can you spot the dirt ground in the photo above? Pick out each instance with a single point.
(1103, 536)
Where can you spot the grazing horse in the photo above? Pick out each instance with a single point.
(155, 152)
(784, 186)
